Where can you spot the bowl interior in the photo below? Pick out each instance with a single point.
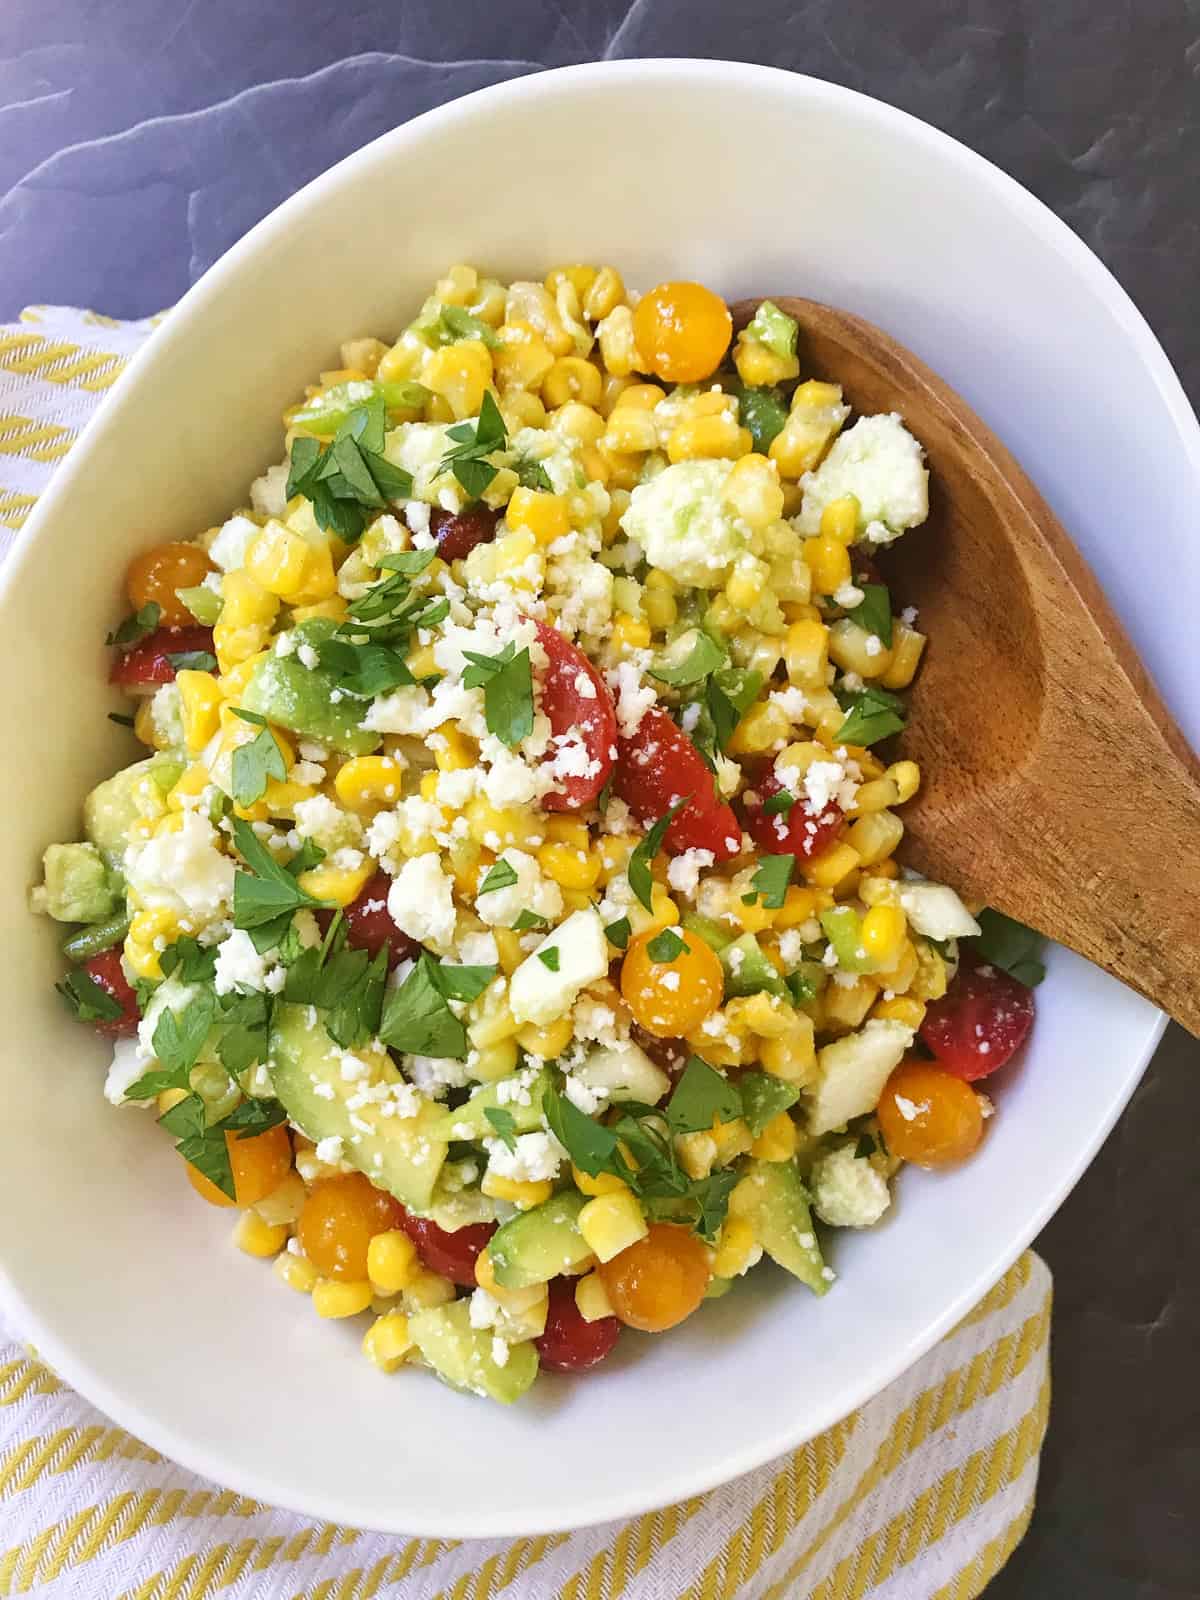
(759, 182)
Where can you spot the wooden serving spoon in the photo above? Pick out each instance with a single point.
(1055, 784)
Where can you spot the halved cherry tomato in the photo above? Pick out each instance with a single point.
(106, 970)
(659, 765)
(458, 532)
(576, 697)
(980, 1023)
(795, 832)
(259, 1164)
(148, 663)
(451, 1255)
(570, 1344)
(340, 1218)
(369, 924)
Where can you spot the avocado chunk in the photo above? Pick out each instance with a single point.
(300, 698)
(776, 1204)
(132, 795)
(77, 886)
(470, 1121)
(462, 1355)
(538, 1245)
(747, 970)
(398, 1153)
(709, 929)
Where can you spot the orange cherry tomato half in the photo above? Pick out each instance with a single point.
(682, 331)
(928, 1116)
(658, 1281)
(671, 997)
(340, 1218)
(259, 1164)
(157, 573)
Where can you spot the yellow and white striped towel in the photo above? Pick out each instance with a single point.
(920, 1495)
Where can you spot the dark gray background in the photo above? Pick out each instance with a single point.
(139, 139)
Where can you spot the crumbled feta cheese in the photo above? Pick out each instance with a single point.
(633, 699)
(402, 711)
(683, 873)
(433, 1075)
(239, 964)
(326, 824)
(421, 902)
(228, 549)
(183, 871)
(847, 1190)
(536, 1156)
(882, 465)
(329, 1149)
(500, 908)
(683, 524)
(128, 1065)
(268, 494)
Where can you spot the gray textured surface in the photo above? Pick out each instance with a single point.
(139, 140)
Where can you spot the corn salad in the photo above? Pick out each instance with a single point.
(504, 916)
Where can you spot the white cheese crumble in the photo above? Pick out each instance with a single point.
(239, 964)
(882, 465)
(684, 526)
(233, 538)
(500, 908)
(847, 1190)
(421, 902)
(184, 871)
(536, 1156)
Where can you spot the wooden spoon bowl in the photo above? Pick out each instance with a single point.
(1055, 784)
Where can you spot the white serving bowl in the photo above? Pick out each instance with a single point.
(751, 180)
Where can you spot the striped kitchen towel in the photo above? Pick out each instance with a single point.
(920, 1495)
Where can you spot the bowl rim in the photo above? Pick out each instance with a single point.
(70, 1362)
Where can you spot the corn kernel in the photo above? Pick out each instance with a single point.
(737, 1249)
(884, 930)
(907, 645)
(630, 633)
(875, 837)
(524, 1194)
(800, 904)
(901, 1008)
(707, 438)
(874, 796)
(746, 584)
(630, 431)
(297, 1272)
(520, 409)
(279, 560)
(845, 1006)
(367, 783)
(856, 650)
(793, 1055)
(605, 294)
(543, 514)
(521, 359)
(618, 348)
(518, 560)
(245, 600)
(391, 1261)
(777, 1141)
(342, 885)
(757, 365)
(548, 1042)
(427, 1290)
(282, 1206)
(932, 975)
(816, 415)
(906, 775)
(752, 491)
(829, 563)
(199, 705)
(258, 1238)
(460, 373)
(828, 869)
(387, 1343)
(236, 644)
(611, 1223)
(333, 1299)
(497, 827)
(602, 1183)
(760, 729)
(570, 867)
(494, 1060)
(571, 378)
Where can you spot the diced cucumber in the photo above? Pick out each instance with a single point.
(540, 1244)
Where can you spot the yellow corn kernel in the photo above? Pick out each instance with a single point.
(630, 431)
(460, 373)
(458, 287)
(806, 653)
(801, 903)
(568, 830)
(524, 1194)
(427, 1290)
(282, 1207)
(421, 663)
(548, 1042)
(367, 783)
(757, 365)
(333, 1299)
(199, 705)
(572, 378)
(171, 823)
(737, 1249)
(618, 348)
(282, 798)
(541, 514)
(297, 1272)
(630, 633)
(583, 423)
(604, 295)
(493, 1022)
(521, 358)
(856, 650)
(614, 388)
(591, 1298)
(906, 775)
(520, 409)
(579, 277)
(235, 644)
(640, 397)
(746, 584)
(907, 645)
(883, 869)
(387, 1343)
(234, 682)
(932, 975)
(144, 726)
(845, 1006)
(777, 1141)
(828, 869)
(763, 726)
(829, 563)
(611, 1223)
(392, 1261)
(568, 866)
(898, 978)
(708, 438)
(279, 560)
(793, 1055)
(883, 933)
(874, 796)
(602, 1183)
(453, 750)
(875, 836)
(342, 885)
(615, 850)
(762, 1013)
(816, 415)
(533, 306)
(752, 491)
(497, 827)
(245, 600)
(490, 1062)
(258, 1238)
(839, 520)
(508, 944)
(518, 561)
(901, 1008)
(193, 783)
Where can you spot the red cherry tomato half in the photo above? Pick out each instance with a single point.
(149, 663)
(450, 1255)
(576, 698)
(660, 765)
(981, 1021)
(458, 532)
(795, 832)
(570, 1344)
(369, 924)
(106, 970)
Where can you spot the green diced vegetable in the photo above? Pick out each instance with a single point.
(89, 942)
(763, 412)
(204, 603)
(774, 328)
(843, 929)
(328, 412)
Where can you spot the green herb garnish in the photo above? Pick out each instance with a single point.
(507, 683)
(417, 1018)
(136, 627)
(1011, 946)
(770, 881)
(500, 875)
(618, 932)
(641, 880)
(871, 714)
(504, 1124)
(874, 612)
(89, 1000)
(473, 442)
(665, 946)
